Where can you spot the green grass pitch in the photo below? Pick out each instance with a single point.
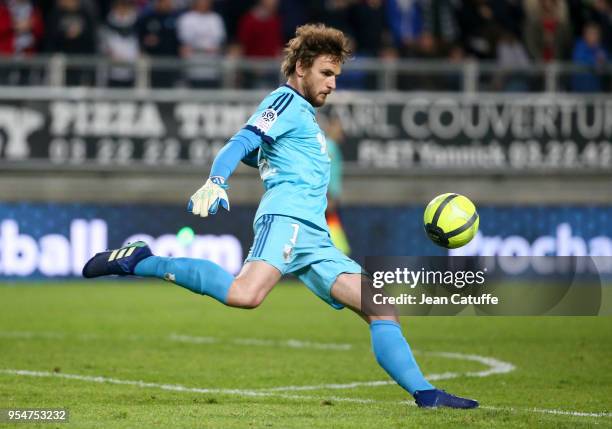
(150, 354)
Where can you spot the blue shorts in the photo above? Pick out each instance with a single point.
(295, 247)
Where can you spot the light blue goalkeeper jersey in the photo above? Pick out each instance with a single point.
(293, 160)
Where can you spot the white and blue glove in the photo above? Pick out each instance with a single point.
(209, 197)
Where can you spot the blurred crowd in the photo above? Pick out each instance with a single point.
(515, 33)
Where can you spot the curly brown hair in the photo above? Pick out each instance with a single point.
(311, 41)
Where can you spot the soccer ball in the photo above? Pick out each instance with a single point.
(451, 220)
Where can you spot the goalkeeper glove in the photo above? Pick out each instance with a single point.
(209, 197)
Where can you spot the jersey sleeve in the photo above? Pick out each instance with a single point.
(275, 117)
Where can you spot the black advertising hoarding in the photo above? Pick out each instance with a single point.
(387, 131)
(484, 132)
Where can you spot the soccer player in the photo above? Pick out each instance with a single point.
(291, 236)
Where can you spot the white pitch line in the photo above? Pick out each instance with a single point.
(258, 342)
(252, 393)
(291, 343)
(548, 411)
(192, 340)
(173, 387)
(495, 366)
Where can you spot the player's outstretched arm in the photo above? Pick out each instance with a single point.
(213, 194)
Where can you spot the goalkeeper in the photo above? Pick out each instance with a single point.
(285, 142)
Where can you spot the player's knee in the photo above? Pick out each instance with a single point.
(252, 300)
(250, 297)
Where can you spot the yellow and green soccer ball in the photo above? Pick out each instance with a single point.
(451, 220)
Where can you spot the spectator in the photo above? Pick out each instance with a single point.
(71, 30)
(158, 38)
(21, 27)
(103, 7)
(405, 19)
(201, 33)
(511, 54)
(440, 27)
(454, 80)
(548, 31)
(21, 30)
(260, 31)
(510, 16)
(578, 13)
(369, 23)
(589, 52)
(479, 30)
(119, 41)
(142, 5)
(293, 14)
(336, 13)
(231, 11)
(602, 15)
(182, 5)
(260, 36)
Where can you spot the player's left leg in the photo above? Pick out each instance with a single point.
(389, 345)
(199, 276)
(260, 273)
(247, 290)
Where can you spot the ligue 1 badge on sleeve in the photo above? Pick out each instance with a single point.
(266, 120)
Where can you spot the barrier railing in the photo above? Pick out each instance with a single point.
(359, 73)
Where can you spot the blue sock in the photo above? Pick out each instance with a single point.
(394, 355)
(197, 275)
